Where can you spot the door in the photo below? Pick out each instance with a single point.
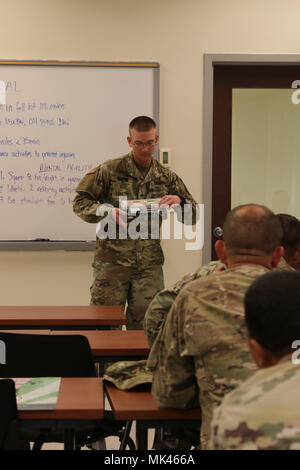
(256, 139)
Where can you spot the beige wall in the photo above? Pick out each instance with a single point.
(176, 34)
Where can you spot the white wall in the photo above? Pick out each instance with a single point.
(176, 34)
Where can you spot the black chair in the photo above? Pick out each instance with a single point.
(35, 355)
(9, 425)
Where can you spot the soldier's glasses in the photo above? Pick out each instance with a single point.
(139, 144)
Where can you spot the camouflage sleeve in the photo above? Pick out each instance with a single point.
(216, 441)
(174, 383)
(157, 312)
(179, 188)
(260, 414)
(163, 301)
(90, 193)
(203, 271)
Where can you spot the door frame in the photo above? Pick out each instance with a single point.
(210, 60)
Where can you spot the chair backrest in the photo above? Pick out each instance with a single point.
(35, 355)
(9, 432)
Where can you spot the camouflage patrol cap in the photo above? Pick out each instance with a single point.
(126, 375)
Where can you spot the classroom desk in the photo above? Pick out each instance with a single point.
(141, 407)
(70, 317)
(80, 401)
(114, 345)
(28, 332)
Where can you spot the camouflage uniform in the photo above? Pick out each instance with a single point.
(129, 374)
(284, 266)
(119, 264)
(262, 413)
(113, 284)
(202, 351)
(163, 301)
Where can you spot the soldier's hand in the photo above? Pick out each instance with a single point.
(170, 201)
(119, 216)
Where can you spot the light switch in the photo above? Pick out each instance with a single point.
(165, 157)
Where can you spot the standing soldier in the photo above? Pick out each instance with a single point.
(126, 269)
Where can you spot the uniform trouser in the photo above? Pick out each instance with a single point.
(115, 285)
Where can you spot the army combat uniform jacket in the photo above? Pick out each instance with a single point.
(263, 413)
(284, 266)
(129, 374)
(163, 301)
(202, 351)
(121, 177)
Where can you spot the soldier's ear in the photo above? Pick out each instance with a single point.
(129, 140)
(262, 356)
(221, 251)
(255, 350)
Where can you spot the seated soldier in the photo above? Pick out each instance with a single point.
(263, 413)
(163, 301)
(126, 375)
(201, 352)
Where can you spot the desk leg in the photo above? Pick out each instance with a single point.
(69, 437)
(141, 437)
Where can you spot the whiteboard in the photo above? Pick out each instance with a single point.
(60, 120)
